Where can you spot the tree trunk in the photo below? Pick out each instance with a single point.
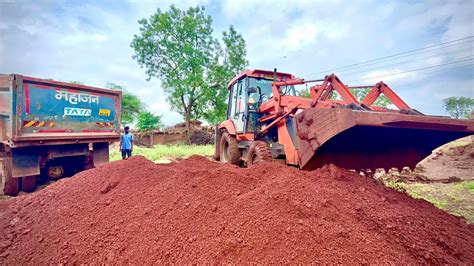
(188, 119)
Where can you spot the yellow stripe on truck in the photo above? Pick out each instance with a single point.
(41, 124)
(29, 124)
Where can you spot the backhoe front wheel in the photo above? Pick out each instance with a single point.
(258, 152)
(228, 149)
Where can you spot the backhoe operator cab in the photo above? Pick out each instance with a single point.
(246, 93)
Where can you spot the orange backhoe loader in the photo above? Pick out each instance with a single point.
(266, 120)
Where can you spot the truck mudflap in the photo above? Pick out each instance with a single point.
(8, 185)
(360, 140)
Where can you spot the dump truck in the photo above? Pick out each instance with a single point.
(267, 119)
(51, 129)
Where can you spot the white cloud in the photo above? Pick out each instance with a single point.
(300, 35)
(159, 107)
(146, 92)
(84, 38)
(386, 76)
(119, 71)
(389, 44)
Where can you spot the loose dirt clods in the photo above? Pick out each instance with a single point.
(198, 211)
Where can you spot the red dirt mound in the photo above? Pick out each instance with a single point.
(198, 211)
(449, 161)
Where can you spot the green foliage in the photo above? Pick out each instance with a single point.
(395, 185)
(465, 186)
(148, 120)
(455, 198)
(131, 104)
(458, 107)
(304, 93)
(360, 94)
(178, 48)
(76, 82)
(437, 202)
(470, 185)
(233, 62)
(159, 152)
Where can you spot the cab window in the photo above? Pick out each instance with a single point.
(265, 88)
(240, 98)
(232, 100)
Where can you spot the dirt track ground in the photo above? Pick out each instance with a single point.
(196, 210)
(201, 211)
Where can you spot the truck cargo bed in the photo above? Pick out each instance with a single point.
(38, 111)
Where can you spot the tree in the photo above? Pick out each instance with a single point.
(76, 82)
(359, 93)
(178, 48)
(233, 62)
(148, 120)
(131, 104)
(458, 107)
(304, 93)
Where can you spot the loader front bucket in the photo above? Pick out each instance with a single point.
(359, 140)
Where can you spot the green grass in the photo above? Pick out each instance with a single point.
(455, 198)
(160, 152)
(469, 185)
(396, 185)
(438, 202)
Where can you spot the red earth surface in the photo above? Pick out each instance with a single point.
(199, 211)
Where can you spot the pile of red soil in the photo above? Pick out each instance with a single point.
(198, 211)
(450, 162)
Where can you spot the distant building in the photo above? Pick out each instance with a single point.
(193, 125)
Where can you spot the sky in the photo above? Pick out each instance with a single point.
(89, 41)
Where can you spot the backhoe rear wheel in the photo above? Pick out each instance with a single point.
(228, 149)
(258, 152)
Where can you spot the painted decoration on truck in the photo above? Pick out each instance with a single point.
(71, 110)
(75, 98)
(104, 112)
(77, 111)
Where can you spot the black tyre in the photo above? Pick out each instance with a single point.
(258, 152)
(28, 183)
(12, 187)
(55, 172)
(228, 149)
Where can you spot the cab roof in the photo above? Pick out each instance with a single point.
(258, 73)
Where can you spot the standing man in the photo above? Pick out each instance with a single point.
(126, 143)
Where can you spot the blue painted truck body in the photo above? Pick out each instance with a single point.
(45, 122)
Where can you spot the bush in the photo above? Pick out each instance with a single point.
(201, 137)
